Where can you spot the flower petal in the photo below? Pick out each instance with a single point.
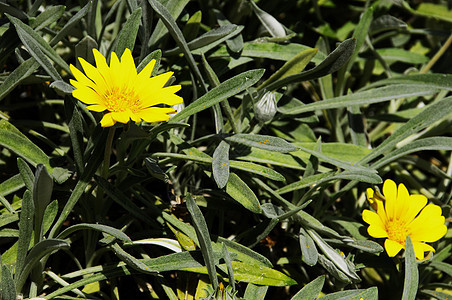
(415, 204)
(86, 95)
(429, 225)
(121, 116)
(420, 248)
(96, 107)
(392, 247)
(377, 227)
(156, 114)
(107, 121)
(390, 193)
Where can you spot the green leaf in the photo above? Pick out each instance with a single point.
(220, 164)
(24, 70)
(401, 55)
(255, 292)
(130, 260)
(203, 235)
(42, 193)
(309, 253)
(157, 55)
(128, 34)
(26, 173)
(167, 19)
(358, 294)
(435, 11)
(11, 185)
(376, 95)
(245, 272)
(7, 286)
(47, 17)
(431, 143)
(429, 115)
(311, 290)
(225, 90)
(175, 7)
(240, 192)
(433, 81)
(333, 62)
(71, 23)
(15, 141)
(209, 40)
(341, 262)
(272, 25)
(98, 227)
(269, 50)
(291, 67)
(442, 266)
(25, 232)
(411, 282)
(265, 142)
(40, 250)
(37, 47)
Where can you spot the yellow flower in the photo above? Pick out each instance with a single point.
(399, 214)
(122, 92)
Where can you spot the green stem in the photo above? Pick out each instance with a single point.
(437, 55)
(105, 166)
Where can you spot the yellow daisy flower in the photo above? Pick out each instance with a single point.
(122, 92)
(399, 214)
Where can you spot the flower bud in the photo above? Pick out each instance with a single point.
(265, 108)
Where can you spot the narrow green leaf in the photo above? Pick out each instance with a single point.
(167, 19)
(11, 185)
(98, 227)
(24, 70)
(401, 55)
(25, 232)
(75, 125)
(49, 216)
(36, 45)
(225, 90)
(265, 142)
(309, 253)
(240, 192)
(376, 95)
(26, 173)
(228, 261)
(333, 62)
(244, 272)
(430, 114)
(255, 292)
(203, 235)
(442, 266)
(15, 141)
(128, 34)
(157, 55)
(341, 262)
(220, 164)
(42, 193)
(40, 250)
(47, 17)
(6, 204)
(431, 143)
(358, 294)
(293, 66)
(71, 23)
(270, 23)
(311, 290)
(435, 81)
(411, 282)
(130, 260)
(7, 286)
(175, 7)
(209, 39)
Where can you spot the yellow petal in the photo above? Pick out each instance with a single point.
(415, 204)
(147, 71)
(120, 116)
(420, 248)
(429, 225)
(107, 121)
(87, 95)
(96, 107)
(156, 114)
(93, 74)
(392, 247)
(377, 227)
(390, 193)
(101, 64)
(81, 78)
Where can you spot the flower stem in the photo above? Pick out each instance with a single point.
(106, 163)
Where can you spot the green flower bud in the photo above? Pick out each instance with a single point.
(265, 108)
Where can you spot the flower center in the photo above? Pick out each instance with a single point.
(397, 231)
(121, 99)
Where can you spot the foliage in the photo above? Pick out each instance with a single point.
(256, 188)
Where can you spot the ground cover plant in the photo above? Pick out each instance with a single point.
(176, 149)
